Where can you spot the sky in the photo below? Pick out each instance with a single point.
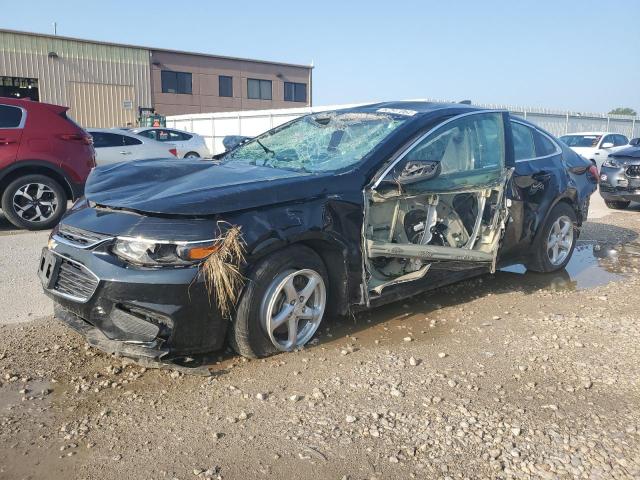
(578, 55)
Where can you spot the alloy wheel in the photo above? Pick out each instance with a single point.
(292, 308)
(35, 202)
(560, 240)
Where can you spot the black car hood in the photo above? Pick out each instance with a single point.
(630, 153)
(197, 187)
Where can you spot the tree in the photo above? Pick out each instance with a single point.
(623, 111)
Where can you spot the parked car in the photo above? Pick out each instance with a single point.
(327, 214)
(45, 159)
(620, 177)
(114, 145)
(595, 146)
(188, 145)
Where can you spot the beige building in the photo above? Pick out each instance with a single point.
(101, 83)
(106, 84)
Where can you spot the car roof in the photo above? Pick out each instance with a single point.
(419, 107)
(591, 133)
(119, 131)
(144, 129)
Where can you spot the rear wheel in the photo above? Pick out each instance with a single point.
(557, 240)
(617, 204)
(192, 155)
(282, 304)
(34, 202)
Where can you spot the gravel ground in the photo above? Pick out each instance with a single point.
(506, 376)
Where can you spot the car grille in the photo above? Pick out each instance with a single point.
(80, 238)
(75, 281)
(633, 171)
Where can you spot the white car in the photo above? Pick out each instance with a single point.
(595, 146)
(189, 145)
(115, 145)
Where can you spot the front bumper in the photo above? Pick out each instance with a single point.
(615, 184)
(154, 313)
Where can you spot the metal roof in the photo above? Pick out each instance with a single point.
(126, 45)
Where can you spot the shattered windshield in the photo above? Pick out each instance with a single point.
(322, 142)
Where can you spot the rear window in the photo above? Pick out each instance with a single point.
(544, 146)
(178, 136)
(104, 139)
(10, 117)
(587, 141)
(130, 140)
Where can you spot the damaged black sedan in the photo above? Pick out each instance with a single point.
(327, 214)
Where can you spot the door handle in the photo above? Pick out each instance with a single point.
(125, 153)
(541, 176)
(7, 141)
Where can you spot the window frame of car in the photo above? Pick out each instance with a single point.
(23, 117)
(622, 138)
(608, 138)
(230, 85)
(380, 177)
(294, 86)
(130, 141)
(106, 136)
(183, 136)
(260, 82)
(557, 151)
(176, 74)
(122, 137)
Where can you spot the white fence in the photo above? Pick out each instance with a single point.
(215, 126)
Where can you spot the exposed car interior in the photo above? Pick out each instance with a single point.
(444, 202)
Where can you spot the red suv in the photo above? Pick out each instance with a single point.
(45, 159)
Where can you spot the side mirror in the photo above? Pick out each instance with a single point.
(607, 145)
(418, 171)
(634, 141)
(232, 141)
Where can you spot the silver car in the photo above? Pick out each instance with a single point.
(188, 145)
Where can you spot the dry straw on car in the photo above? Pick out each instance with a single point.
(221, 270)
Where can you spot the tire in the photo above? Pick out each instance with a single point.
(45, 213)
(544, 258)
(249, 335)
(192, 155)
(617, 204)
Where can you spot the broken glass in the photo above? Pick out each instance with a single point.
(323, 142)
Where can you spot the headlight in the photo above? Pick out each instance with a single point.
(156, 254)
(611, 163)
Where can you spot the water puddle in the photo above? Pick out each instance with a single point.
(592, 265)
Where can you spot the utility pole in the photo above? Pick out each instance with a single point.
(55, 28)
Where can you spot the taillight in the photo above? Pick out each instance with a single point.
(173, 152)
(73, 137)
(593, 172)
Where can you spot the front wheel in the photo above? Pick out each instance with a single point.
(617, 204)
(282, 305)
(557, 240)
(34, 202)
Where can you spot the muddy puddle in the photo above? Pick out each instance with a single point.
(592, 265)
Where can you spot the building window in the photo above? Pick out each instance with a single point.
(176, 82)
(259, 89)
(225, 86)
(295, 92)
